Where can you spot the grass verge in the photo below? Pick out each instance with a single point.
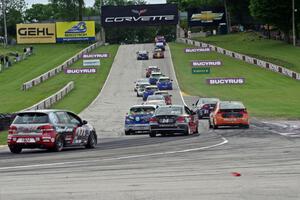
(3, 137)
(266, 94)
(87, 87)
(46, 57)
(251, 44)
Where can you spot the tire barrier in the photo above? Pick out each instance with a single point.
(263, 64)
(5, 120)
(60, 68)
(48, 102)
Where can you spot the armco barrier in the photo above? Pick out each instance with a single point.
(55, 71)
(48, 102)
(248, 59)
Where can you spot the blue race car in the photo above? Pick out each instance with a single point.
(149, 90)
(142, 55)
(137, 120)
(164, 83)
(154, 77)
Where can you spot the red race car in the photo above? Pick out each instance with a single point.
(151, 69)
(49, 129)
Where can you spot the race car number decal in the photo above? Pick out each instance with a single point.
(80, 132)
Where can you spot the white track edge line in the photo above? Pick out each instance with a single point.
(225, 141)
(174, 74)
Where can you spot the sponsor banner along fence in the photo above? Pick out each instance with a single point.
(75, 31)
(139, 15)
(58, 69)
(36, 33)
(225, 81)
(96, 55)
(90, 63)
(48, 102)
(206, 63)
(248, 59)
(81, 71)
(197, 50)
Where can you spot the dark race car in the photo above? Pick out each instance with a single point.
(142, 55)
(137, 120)
(49, 129)
(149, 90)
(164, 83)
(151, 69)
(204, 106)
(173, 119)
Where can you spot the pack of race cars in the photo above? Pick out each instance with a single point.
(157, 115)
(56, 129)
(154, 92)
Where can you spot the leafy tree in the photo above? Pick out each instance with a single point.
(274, 12)
(239, 11)
(98, 3)
(40, 12)
(14, 10)
(66, 8)
(186, 4)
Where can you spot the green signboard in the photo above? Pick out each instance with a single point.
(201, 70)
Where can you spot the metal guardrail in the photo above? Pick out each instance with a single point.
(48, 102)
(264, 64)
(36, 81)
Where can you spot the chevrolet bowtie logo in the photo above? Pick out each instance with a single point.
(207, 16)
(139, 12)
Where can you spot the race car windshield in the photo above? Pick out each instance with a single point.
(169, 111)
(231, 105)
(149, 89)
(142, 81)
(164, 80)
(142, 110)
(210, 101)
(31, 118)
(154, 69)
(142, 86)
(155, 75)
(155, 97)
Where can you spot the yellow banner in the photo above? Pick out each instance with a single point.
(75, 31)
(36, 33)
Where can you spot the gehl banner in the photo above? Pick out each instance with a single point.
(206, 16)
(139, 15)
(36, 33)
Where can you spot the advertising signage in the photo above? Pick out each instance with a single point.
(139, 15)
(36, 33)
(206, 16)
(75, 31)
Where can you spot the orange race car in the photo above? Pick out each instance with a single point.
(229, 113)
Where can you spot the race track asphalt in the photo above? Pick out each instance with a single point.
(229, 163)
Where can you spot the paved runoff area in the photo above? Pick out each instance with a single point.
(229, 163)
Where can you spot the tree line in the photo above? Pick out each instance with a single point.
(275, 13)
